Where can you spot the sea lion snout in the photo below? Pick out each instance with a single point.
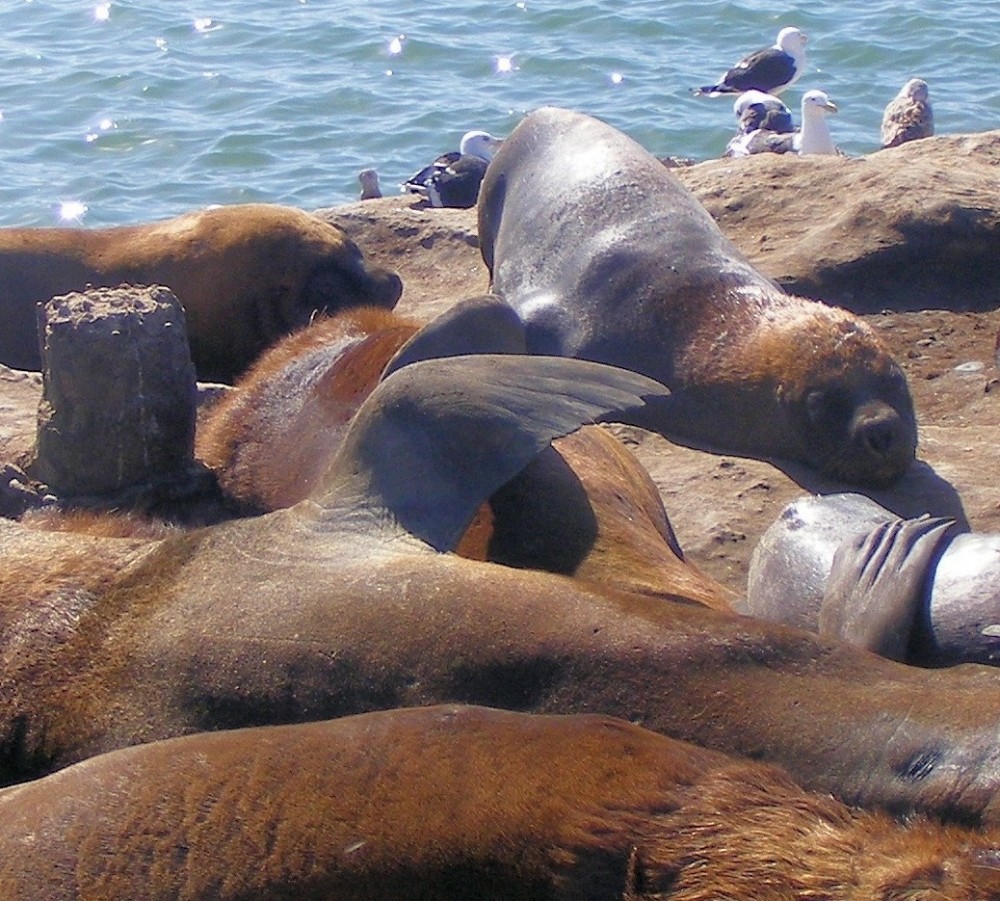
(389, 287)
(383, 287)
(332, 288)
(882, 432)
(882, 443)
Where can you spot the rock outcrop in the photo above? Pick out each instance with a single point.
(905, 228)
(119, 395)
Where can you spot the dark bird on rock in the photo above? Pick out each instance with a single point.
(453, 179)
(770, 70)
(908, 116)
(756, 109)
(761, 119)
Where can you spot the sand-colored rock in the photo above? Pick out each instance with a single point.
(906, 228)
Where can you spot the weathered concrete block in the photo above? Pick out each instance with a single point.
(119, 395)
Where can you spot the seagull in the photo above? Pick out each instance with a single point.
(756, 109)
(815, 134)
(812, 138)
(908, 116)
(771, 70)
(453, 179)
(370, 189)
(759, 117)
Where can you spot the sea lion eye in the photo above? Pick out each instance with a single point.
(828, 404)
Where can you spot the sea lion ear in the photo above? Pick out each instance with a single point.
(476, 325)
(438, 437)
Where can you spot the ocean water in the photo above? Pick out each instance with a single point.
(130, 111)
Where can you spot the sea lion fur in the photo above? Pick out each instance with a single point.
(245, 275)
(455, 801)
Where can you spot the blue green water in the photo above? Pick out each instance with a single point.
(129, 111)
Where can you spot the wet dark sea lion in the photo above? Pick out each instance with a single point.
(245, 275)
(350, 602)
(607, 257)
(913, 590)
(452, 802)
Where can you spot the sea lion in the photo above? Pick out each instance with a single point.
(350, 602)
(270, 440)
(607, 257)
(584, 507)
(462, 802)
(245, 275)
(262, 439)
(912, 590)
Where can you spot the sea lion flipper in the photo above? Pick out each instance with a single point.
(438, 437)
(876, 584)
(477, 325)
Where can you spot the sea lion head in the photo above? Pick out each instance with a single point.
(305, 266)
(247, 275)
(342, 278)
(845, 398)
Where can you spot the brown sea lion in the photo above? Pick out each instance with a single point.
(245, 275)
(584, 507)
(607, 257)
(349, 602)
(270, 440)
(463, 802)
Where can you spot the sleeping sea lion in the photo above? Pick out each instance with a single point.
(463, 802)
(350, 601)
(584, 507)
(245, 275)
(272, 438)
(607, 257)
(912, 589)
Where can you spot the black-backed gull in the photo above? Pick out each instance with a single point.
(453, 179)
(770, 70)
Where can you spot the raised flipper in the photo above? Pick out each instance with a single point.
(875, 587)
(476, 325)
(438, 437)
